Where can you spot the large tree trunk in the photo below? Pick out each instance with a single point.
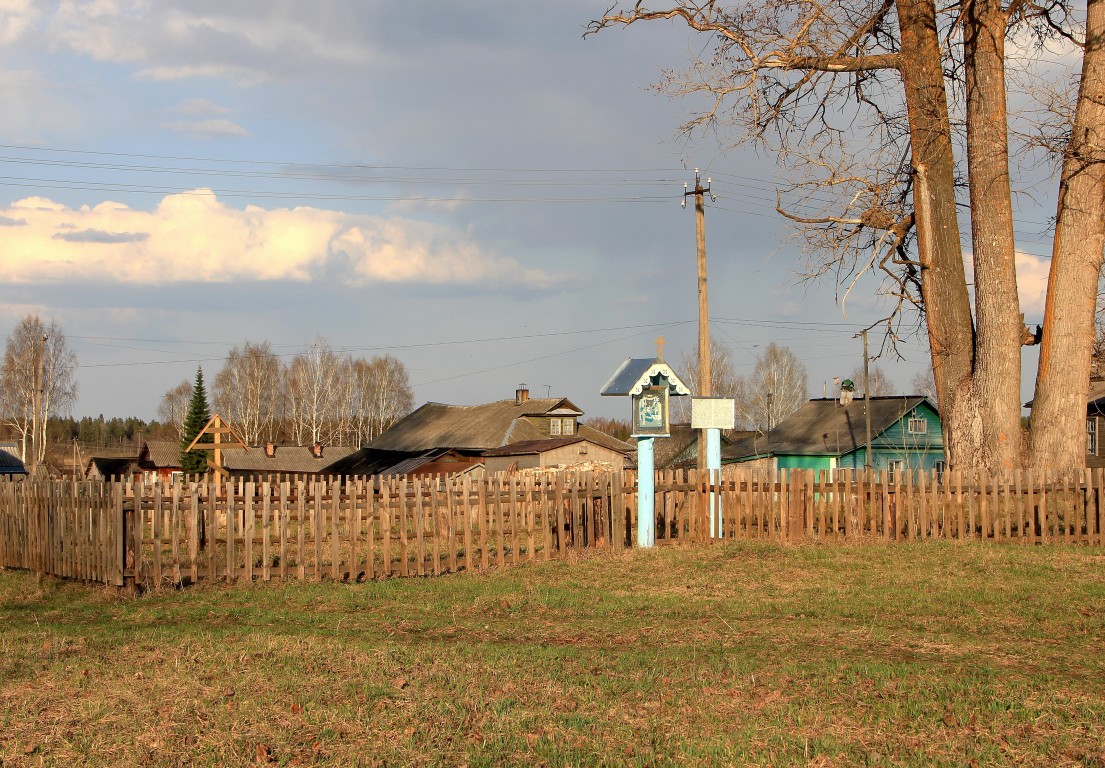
(1057, 437)
(997, 368)
(943, 281)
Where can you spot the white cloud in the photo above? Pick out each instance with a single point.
(195, 237)
(16, 17)
(1032, 274)
(206, 128)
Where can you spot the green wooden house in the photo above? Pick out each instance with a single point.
(826, 434)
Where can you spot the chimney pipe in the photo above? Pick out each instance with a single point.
(521, 394)
(316, 450)
(270, 450)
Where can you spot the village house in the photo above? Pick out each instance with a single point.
(827, 434)
(523, 432)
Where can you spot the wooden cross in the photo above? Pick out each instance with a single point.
(660, 347)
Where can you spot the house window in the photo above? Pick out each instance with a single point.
(893, 467)
(554, 426)
(939, 466)
(569, 426)
(1091, 436)
(918, 426)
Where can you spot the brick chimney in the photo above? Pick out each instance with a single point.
(270, 450)
(316, 450)
(521, 394)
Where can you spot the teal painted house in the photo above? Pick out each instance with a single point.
(825, 434)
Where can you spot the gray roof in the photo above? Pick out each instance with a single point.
(286, 459)
(161, 454)
(529, 447)
(467, 427)
(639, 372)
(824, 427)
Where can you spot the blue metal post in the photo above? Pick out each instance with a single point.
(713, 469)
(646, 494)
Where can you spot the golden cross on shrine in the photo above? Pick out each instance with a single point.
(660, 347)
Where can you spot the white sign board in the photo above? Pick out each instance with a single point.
(713, 413)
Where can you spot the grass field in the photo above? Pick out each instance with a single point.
(932, 654)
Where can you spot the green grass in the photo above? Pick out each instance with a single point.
(909, 655)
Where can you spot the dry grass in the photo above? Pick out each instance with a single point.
(929, 654)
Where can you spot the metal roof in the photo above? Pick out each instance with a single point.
(636, 373)
(10, 463)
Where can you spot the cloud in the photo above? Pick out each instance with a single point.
(6, 221)
(206, 128)
(99, 236)
(16, 17)
(1032, 274)
(198, 107)
(246, 42)
(194, 237)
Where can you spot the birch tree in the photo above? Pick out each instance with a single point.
(853, 98)
(246, 390)
(312, 383)
(173, 407)
(38, 367)
(777, 387)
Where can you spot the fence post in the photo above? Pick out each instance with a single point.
(119, 545)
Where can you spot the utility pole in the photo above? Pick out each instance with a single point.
(704, 373)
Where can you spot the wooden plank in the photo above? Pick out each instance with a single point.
(465, 516)
(404, 527)
(558, 506)
(372, 514)
(385, 518)
(419, 525)
(450, 531)
(266, 530)
(248, 495)
(283, 515)
(434, 521)
(225, 490)
(335, 530)
(483, 514)
(1031, 514)
(318, 526)
(512, 506)
(301, 514)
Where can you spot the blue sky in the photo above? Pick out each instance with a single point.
(474, 188)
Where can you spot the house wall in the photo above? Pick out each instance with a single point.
(897, 443)
(564, 456)
(804, 462)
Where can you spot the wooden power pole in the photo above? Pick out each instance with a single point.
(704, 373)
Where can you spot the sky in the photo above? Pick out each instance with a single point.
(473, 188)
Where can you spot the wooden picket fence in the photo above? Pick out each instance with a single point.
(163, 533)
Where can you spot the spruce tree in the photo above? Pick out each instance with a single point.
(199, 413)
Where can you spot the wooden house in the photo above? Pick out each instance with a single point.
(447, 439)
(1095, 423)
(826, 434)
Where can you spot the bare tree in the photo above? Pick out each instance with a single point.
(391, 395)
(853, 97)
(173, 407)
(777, 387)
(724, 381)
(311, 384)
(38, 380)
(924, 384)
(881, 385)
(246, 390)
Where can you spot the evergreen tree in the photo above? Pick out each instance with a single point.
(199, 413)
